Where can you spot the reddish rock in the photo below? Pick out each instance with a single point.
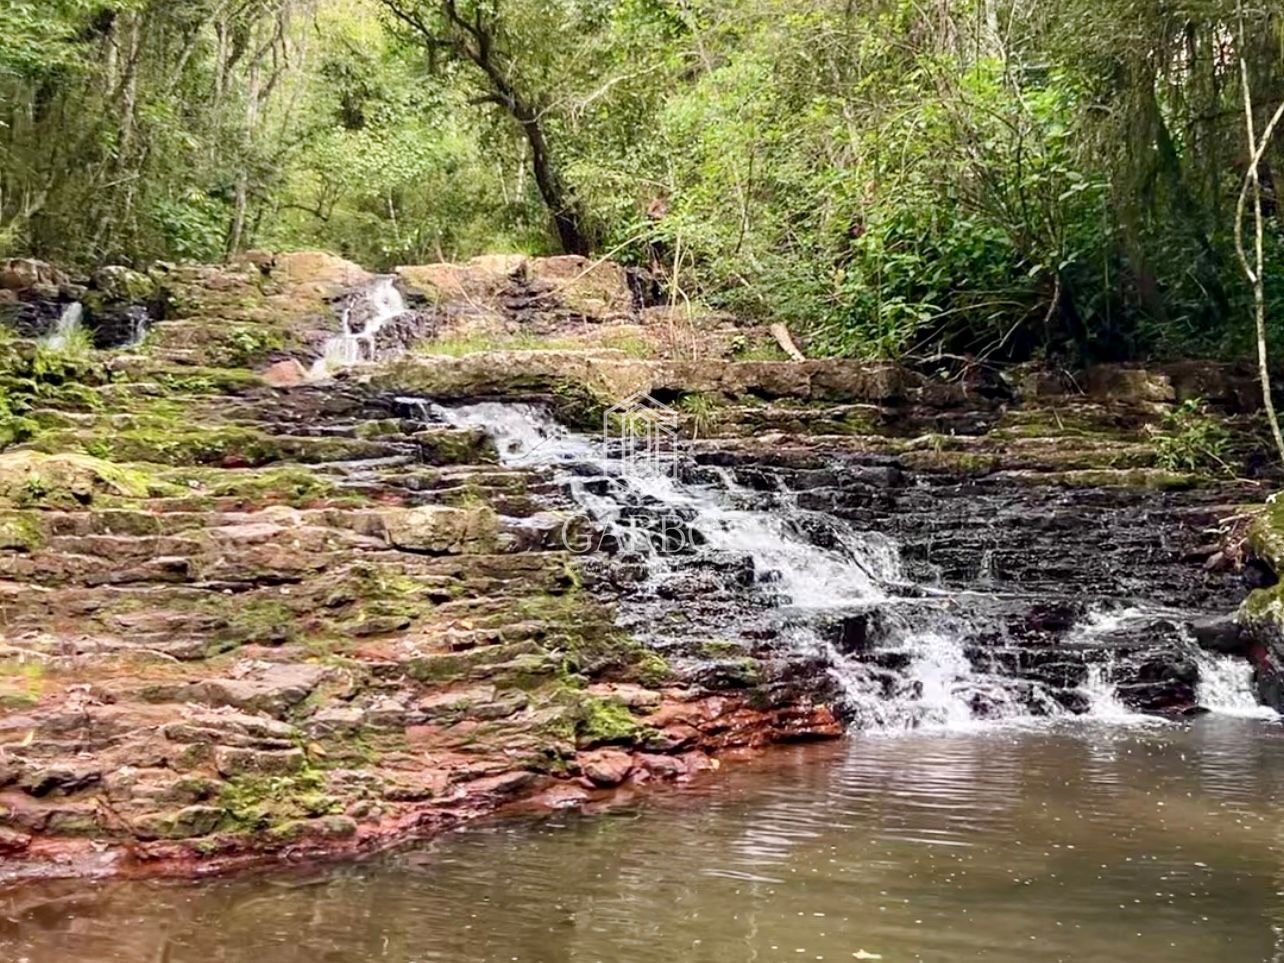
(12, 841)
(606, 767)
(560, 796)
(285, 374)
(661, 766)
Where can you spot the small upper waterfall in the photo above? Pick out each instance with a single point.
(139, 324)
(737, 564)
(69, 322)
(364, 316)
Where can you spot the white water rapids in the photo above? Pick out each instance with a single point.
(933, 684)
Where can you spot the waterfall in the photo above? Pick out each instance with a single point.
(139, 323)
(735, 563)
(66, 327)
(364, 316)
(1226, 686)
(802, 573)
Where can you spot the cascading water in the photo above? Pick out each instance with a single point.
(365, 315)
(139, 324)
(1225, 686)
(752, 564)
(65, 329)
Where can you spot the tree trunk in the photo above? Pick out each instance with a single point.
(472, 40)
(566, 216)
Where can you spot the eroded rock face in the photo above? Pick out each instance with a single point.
(246, 614)
(268, 616)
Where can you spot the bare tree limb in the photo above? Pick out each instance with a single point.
(1255, 270)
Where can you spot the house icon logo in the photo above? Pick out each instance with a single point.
(642, 435)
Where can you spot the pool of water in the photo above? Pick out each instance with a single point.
(1079, 842)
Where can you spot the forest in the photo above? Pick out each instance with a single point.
(988, 179)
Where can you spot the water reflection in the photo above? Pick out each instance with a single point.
(1085, 844)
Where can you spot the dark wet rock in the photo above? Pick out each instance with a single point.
(1221, 634)
(1167, 697)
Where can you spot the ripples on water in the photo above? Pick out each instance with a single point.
(1086, 843)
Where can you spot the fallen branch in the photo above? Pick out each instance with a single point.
(781, 334)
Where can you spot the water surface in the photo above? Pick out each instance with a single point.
(1079, 841)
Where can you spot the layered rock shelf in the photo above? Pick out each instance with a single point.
(257, 609)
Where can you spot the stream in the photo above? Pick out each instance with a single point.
(1021, 842)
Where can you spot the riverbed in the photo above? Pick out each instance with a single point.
(1083, 841)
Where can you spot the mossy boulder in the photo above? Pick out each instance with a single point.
(121, 284)
(67, 479)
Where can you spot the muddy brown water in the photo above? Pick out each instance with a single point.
(1070, 841)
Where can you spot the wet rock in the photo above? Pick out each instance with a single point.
(1221, 634)
(59, 780)
(560, 796)
(605, 767)
(661, 766)
(1166, 697)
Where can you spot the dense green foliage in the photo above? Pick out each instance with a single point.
(970, 177)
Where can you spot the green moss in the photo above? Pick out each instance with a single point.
(200, 380)
(226, 445)
(35, 479)
(576, 405)
(653, 670)
(1053, 423)
(449, 666)
(298, 487)
(245, 346)
(380, 428)
(21, 531)
(954, 462)
(1266, 534)
(266, 621)
(455, 447)
(1155, 479)
(258, 804)
(602, 722)
(1264, 604)
(21, 684)
(720, 649)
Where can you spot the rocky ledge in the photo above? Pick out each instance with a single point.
(257, 609)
